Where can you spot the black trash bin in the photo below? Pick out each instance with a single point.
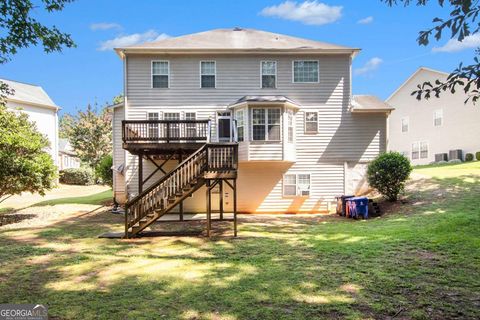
(341, 200)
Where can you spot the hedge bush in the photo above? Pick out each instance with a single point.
(388, 174)
(78, 176)
(104, 170)
(455, 161)
(477, 155)
(469, 157)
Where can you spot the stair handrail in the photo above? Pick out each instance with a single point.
(162, 179)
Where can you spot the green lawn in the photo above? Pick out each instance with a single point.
(420, 262)
(94, 199)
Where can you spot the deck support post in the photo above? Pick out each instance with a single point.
(140, 173)
(220, 197)
(235, 207)
(209, 207)
(181, 211)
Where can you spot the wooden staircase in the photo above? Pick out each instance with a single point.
(210, 162)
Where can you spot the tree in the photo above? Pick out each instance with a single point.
(90, 134)
(24, 163)
(19, 29)
(462, 22)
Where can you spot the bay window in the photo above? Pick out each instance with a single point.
(240, 117)
(266, 124)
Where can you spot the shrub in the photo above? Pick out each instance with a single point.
(477, 155)
(79, 176)
(388, 174)
(104, 170)
(469, 157)
(454, 161)
(441, 163)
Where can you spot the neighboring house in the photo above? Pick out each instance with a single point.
(420, 129)
(287, 101)
(41, 110)
(66, 156)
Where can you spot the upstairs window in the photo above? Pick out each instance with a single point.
(160, 74)
(305, 71)
(240, 117)
(266, 124)
(207, 74)
(405, 124)
(311, 122)
(438, 118)
(269, 74)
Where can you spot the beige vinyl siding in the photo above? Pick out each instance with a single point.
(237, 76)
(459, 129)
(342, 137)
(118, 154)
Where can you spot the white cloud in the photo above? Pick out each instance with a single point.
(366, 20)
(370, 66)
(453, 45)
(105, 26)
(308, 12)
(132, 39)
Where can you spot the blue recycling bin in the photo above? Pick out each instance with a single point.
(357, 206)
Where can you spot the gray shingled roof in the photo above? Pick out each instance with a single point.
(238, 39)
(367, 103)
(29, 93)
(264, 99)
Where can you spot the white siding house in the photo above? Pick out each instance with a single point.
(301, 138)
(67, 159)
(422, 128)
(34, 101)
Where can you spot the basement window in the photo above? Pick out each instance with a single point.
(296, 185)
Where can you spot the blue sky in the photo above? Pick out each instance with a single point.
(93, 72)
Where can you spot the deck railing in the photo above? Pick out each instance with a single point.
(167, 131)
(209, 158)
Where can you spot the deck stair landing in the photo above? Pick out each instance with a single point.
(209, 165)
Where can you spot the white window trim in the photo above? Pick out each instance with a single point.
(441, 117)
(293, 71)
(151, 73)
(200, 72)
(292, 113)
(244, 111)
(305, 122)
(265, 124)
(420, 149)
(408, 124)
(297, 189)
(261, 73)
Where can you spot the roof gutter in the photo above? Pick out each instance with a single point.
(122, 52)
(52, 107)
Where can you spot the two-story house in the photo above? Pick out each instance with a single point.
(34, 101)
(421, 129)
(272, 113)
